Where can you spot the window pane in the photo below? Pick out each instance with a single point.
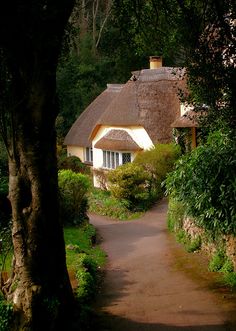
(126, 158)
(87, 154)
(117, 160)
(108, 159)
(91, 154)
(113, 160)
(104, 159)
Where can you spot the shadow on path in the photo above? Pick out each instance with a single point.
(152, 284)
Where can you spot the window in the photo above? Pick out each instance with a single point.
(89, 154)
(112, 160)
(126, 158)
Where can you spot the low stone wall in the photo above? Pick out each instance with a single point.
(210, 247)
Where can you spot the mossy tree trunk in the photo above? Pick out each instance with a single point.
(30, 43)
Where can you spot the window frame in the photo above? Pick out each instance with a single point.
(114, 159)
(88, 154)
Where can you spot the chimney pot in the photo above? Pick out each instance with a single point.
(155, 62)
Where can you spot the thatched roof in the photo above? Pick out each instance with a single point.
(118, 140)
(80, 131)
(188, 120)
(148, 99)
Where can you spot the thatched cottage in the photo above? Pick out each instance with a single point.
(128, 118)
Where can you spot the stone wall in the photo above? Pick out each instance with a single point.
(210, 247)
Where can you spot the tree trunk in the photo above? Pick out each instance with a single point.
(39, 286)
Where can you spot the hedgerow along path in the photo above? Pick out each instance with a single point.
(152, 284)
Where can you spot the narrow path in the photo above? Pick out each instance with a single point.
(151, 283)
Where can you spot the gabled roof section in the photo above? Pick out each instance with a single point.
(80, 131)
(123, 110)
(117, 140)
(149, 99)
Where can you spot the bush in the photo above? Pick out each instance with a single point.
(129, 183)
(86, 276)
(217, 261)
(158, 162)
(73, 189)
(103, 203)
(72, 163)
(204, 181)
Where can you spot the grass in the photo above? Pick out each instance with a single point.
(101, 202)
(81, 240)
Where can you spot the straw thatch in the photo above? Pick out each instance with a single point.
(188, 120)
(80, 131)
(117, 140)
(148, 99)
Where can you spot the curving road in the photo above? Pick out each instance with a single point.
(152, 284)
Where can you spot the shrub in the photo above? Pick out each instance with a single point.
(72, 163)
(73, 189)
(158, 161)
(229, 279)
(103, 203)
(86, 276)
(205, 182)
(129, 183)
(217, 261)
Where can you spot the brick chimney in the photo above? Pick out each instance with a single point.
(155, 62)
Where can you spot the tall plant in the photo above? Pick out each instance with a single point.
(205, 182)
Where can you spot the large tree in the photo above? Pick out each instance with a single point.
(31, 34)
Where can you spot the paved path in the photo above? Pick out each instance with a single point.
(151, 283)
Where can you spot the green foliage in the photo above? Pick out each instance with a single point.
(220, 262)
(84, 259)
(101, 202)
(129, 182)
(175, 215)
(6, 247)
(72, 163)
(81, 240)
(227, 266)
(204, 181)
(158, 162)
(229, 279)
(191, 244)
(86, 276)
(3, 185)
(80, 79)
(73, 189)
(6, 314)
(217, 261)
(194, 245)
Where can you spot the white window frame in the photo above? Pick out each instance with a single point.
(113, 159)
(88, 154)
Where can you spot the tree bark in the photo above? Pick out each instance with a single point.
(39, 286)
